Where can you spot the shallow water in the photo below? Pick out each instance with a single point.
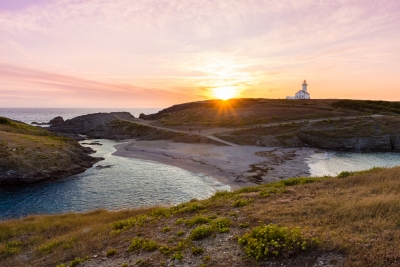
(333, 163)
(129, 183)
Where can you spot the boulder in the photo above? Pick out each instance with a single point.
(56, 120)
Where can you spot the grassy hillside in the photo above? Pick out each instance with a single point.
(30, 151)
(349, 220)
(244, 112)
(369, 106)
(378, 133)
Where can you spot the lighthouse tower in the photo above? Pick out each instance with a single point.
(305, 86)
(301, 94)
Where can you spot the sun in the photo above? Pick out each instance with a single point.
(224, 92)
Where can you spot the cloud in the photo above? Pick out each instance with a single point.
(125, 49)
(35, 84)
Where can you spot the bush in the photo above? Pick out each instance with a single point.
(145, 244)
(111, 252)
(166, 229)
(201, 232)
(273, 241)
(48, 248)
(242, 202)
(344, 174)
(165, 250)
(197, 220)
(5, 121)
(180, 233)
(197, 251)
(128, 223)
(177, 256)
(221, 224)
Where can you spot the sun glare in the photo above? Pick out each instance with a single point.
(225, 92)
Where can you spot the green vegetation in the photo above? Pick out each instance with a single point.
(141, 243)
(197, 251)
(272, 241)
(201, 232)
(111, 252)
(369, 106)
(356, 215)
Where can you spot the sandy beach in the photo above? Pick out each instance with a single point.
(237, 166)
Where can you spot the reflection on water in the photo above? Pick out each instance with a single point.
(128, 183)
(332, 163)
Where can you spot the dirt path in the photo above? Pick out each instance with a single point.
(209, 133)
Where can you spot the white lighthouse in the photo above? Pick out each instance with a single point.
(305, 86)
(301, 94)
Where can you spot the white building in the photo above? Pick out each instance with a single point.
(301, 94)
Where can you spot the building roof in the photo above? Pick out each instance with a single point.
(302, 91)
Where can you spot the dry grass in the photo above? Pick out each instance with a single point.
(357, 216)
(241, 112)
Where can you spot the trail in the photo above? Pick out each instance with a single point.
(209, 133)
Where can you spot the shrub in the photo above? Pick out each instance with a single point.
(272, 241)
(221, 224)
(244, 225)
(128, 223)
(179, 221)
(241, 202)
(75, 262)
(197, 251)
(145, 244)
(48, 248)
(197, 220)
(4, 121)
(188, 207)
(111, 252)
(13, 247)
(201, 232)
(166, 229)
(177, 256)
(180, 233)
(301, 180)
(344, 174)
(165, 250)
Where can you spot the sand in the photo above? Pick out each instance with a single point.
(236, 166)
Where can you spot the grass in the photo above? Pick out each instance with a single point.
(25, 148)
(369, 106)
(356, 214)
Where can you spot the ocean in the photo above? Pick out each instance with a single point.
(29, 115)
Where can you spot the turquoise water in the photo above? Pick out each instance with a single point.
(333, 163)
(128, 183)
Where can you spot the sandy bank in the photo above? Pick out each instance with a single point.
(236, 166)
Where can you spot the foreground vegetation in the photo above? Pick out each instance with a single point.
(352, 220)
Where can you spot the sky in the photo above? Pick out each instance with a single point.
(156, 53)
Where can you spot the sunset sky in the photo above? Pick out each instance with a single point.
(156, 53)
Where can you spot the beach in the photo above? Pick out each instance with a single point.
(236, 166)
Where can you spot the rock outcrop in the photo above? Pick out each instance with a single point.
(53, 121)
(119, 126)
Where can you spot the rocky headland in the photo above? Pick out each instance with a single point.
(31, 154)
(120, 126)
